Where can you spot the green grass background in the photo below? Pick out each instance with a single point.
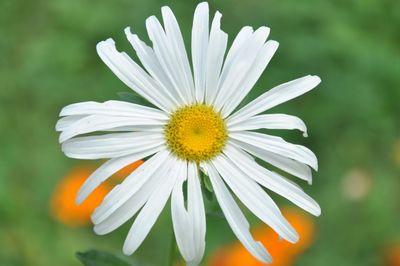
(48, 60)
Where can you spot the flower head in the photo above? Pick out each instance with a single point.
(195, 133)
(194, 127)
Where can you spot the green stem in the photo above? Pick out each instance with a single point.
(172, 251)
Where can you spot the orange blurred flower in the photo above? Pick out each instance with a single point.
(282, 252)
(62, 203)
(393, 256)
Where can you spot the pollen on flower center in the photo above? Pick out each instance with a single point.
(196, 133)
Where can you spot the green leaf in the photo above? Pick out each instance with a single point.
(102, 258)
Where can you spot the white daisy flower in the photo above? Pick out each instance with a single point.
(194, 127)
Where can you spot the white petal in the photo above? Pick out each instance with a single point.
(113, 108)
(290, 166)
(235, 217)
(165, 56)
(278, 146)
(151, 210)
(233, 75)
(275, 96)
(134, 203)
(132, 74)
(64, 122)
(255, 198)
(170, 51)
(190, 225)
(141, 128)
(182, 227)
(200, 49)
(177, 46)
(215, 57)
(109, 168)
(243, 35)
(125, 212)
(272, 181)
(78, 111)
(270, 121)
(196, 212)
(153, 66)
(94, 123)
(111, 145)
(250, 78)
(133, 183)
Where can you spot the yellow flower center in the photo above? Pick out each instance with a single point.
(196, 133)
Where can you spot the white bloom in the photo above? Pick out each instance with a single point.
(193, 129)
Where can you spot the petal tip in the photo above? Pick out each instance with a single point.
(318, 211)
(127, 250)
(150, 20)
(273, 43)
(316, 79)
(294, 238)
(202, 5)
(100, 231)
(127, 31)
(79, 199)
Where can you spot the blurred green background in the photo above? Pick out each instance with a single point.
(48, 60)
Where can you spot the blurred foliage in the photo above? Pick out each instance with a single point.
(102, 258)
(48, 60)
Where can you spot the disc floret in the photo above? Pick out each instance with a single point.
(196, 133)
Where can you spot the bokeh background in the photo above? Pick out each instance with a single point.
(48, 60)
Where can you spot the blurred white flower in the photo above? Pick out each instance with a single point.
(356, 184)
(194, 128)
(396, 152)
